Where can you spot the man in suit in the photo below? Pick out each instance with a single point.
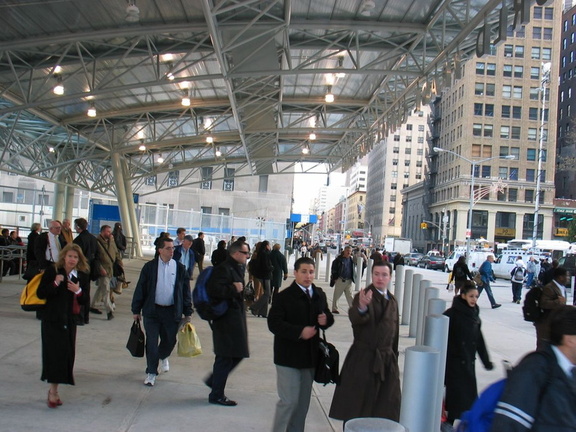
(296, 315)
(89, 246)
(540, 392)
(229, 332)
(184, 254)
(553, 296)
(162, 297)
(67, 231)
(48, 245)
(199, 250)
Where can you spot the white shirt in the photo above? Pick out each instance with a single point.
(308, 293)
(53, 248)
(562, 288)
(563, 361)
(165, 282)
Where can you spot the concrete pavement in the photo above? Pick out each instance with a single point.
(109, 394)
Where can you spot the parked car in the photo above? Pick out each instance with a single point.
(412, 259)
(432, 262)
(569, 263)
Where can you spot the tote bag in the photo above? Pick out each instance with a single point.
(29, 300)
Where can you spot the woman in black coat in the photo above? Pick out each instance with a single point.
(262, 270)
(220, 253)
(460, 273)
(464, 341)
(61, 286)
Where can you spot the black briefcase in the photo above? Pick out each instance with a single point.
(136, 341)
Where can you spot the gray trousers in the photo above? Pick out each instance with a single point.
(342, 288)
(294, 391)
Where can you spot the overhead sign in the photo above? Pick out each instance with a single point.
(564, 210)
(304, 218)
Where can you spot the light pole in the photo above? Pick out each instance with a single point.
(545, 80)
(474, 164)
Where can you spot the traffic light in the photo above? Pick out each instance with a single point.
(423, 225)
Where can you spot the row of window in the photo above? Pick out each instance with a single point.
(406, 174)
(507, 132)
(507, 111)
(408, 150)
(407, 162)
(509, 194)
(537, 53)
(508, 91)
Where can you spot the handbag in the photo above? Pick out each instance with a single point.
(478, 280)
(188, 341)
(136, 341)
(117, 269)
(29, 300)
(327, 367)
(249, 292)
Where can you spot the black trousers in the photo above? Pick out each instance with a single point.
(222, 368)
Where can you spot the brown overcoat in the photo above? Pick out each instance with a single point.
(370, 379)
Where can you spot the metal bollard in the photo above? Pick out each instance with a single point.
(407, 300)
(369, 272)
(436, 306)
(399, 286)
(429, 294)
(328, 267)
(413, 329)
(424, 285)
(371, 424)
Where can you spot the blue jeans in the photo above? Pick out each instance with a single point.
(486, 286)
(160, 325)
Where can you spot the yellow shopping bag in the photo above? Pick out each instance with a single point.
(188, 342)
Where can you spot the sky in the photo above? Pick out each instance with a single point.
(306, 186)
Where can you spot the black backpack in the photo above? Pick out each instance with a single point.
(459, 272)
(531, 309)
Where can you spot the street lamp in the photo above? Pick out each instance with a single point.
(474, 164)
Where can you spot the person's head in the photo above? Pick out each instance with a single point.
(13, 235)
(201, 235)
(180, 233)
(36, 227)
(304, 271)
(469, 292)
(165, 235)
(66, 223)
(461, 259)
(187, 241)
(106, 231)
(563, 330)
(276, 246)
(117, 227)
(5, 232)
(347, 251)
(71, 257)
(555, 263)
(239, 251)
(222, 244)
(55, 227)
(381, 274)
(165, 248)
(490, 258)
(518, 258)
(560, 275)
(241, 239)
(265, 245)
(80, 224)
(232, 239)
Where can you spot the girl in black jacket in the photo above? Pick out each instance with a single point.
(464, 341)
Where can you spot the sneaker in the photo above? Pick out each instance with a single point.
(150, 380)
(164, 365)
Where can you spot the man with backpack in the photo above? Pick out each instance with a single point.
(517, 278)
(553, 296)
(540, 392)
(229, 331)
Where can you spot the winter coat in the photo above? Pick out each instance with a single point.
(550, 299)
(291, 311)
(262, 268)
(229, 332)
(279, 267)
(370, 378)
(464, 341)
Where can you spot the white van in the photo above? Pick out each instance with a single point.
(477, 257)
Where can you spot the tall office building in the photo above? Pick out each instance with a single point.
(395, 163)
(494, 112)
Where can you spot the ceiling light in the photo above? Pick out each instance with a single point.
(340, 75)
(329, 98)
(305, 150)
(312, 136)
(184, 85)
(91, 111)
(218, 152)
(207, 123)
(132, 12)
(312, 121)
(170, 76)
(58, 88)
(340, 66)
(330, 79)
(160, 158)
(57, 70)
(209, 139)
(168, 57)
(186, 101)
(140, 135)
(142, 147)
(51, 149)
(367, 7)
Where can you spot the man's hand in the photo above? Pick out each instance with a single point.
(364, 298)
(308, 332)
(238, 286)
(322, 319)
(137, 317)
(285, 276)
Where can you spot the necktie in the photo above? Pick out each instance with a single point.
(57, 242)
(309, 292)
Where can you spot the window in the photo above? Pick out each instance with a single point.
(535, 54)
(537, 32)
(517, 92)
(534, 93)
(519, 51)
(407, 150)
(396, 150)
(505, 132)
(420, 140)
(488, 130)
(151, 181)
(491, 69)
(504, 151)
(513, 174)
(518, 71)
(530, 175)
(392, 197)
(515, 151)
(418, 163)
(507, 91)
(228, 184)
(531, 154)
(515, 132)
(420, 128)
(533, 113)
(507, 71)
(489, 110)
(394, 162)
(406, 174)
(512, 194)
(548, 13)
(532, 134)
(206, 178)
(173, 178)
(8, 197)
(419, 152)
(547, 33)
(537, 12)
(546, 53)
(477, 129)
(409, 138)
(517, 112)
(529, 195)
(392, 210)
(490, 89)
(505, 111)
(534, 72)
(503, 172)
(407, 162)
(508, 50)
(478, 109)
(486, 170)
(263, 184)
(479, 89)
(408, 127)
(396, 137)
(394, 186)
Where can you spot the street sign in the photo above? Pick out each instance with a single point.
(468, 233)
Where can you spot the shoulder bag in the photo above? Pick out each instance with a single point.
(29, 300)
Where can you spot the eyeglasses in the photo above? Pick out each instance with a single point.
(245, 253)
(169, 248)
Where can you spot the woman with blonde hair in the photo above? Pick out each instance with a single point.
(61, 286)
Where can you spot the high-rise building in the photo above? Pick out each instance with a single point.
(493, 113)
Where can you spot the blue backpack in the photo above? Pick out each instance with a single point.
(208, 308)
(479, 417)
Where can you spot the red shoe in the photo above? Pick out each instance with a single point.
(50, 403)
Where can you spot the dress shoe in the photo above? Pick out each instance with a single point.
(335, 312)
(96, 311)
(109, 316)
(223, 401)
(496, 305)
(52, 401)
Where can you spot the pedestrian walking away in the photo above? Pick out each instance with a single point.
(487, 275)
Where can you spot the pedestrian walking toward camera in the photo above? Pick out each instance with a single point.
(465, 340)
(531, 271)
(487, 275)
(341, 277)
(370, 378)
(517, 275)
(553, 296)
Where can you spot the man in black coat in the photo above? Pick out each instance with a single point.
(162, 296)
(89, 246)
(297, 313)
(229, 332)
(199, 251)
(48, 245)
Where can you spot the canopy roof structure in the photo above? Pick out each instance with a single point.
(255, 72)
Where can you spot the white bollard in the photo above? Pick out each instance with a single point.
(416, 293)
(424, 285)
(429, 294)
(328, 267)
(420, 381)
(316, 266)
(407, 300)
(436, 306)
(399, 286)
(371, 424)
(358, 275)
(436, 336)
(369, 272)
